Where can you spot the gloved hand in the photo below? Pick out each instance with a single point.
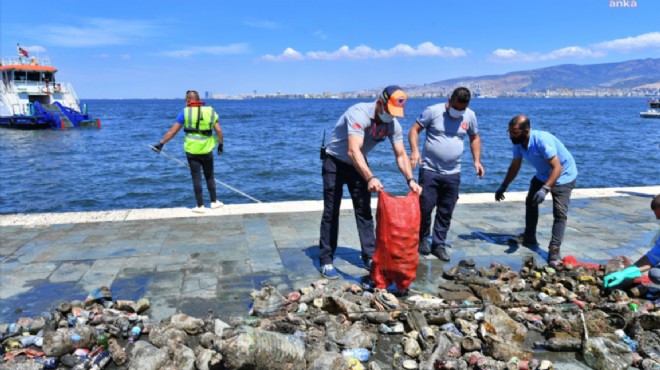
(616, 278)
(221, 148)
(499, 194)
(539, 197)
(157, 147)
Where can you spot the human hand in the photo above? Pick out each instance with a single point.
(616, 278)
(539, 197)
(415, 187)
(415, 159)
(157, 147)
(499, 194)
(374, 185)
(479, 169)
(221, 148)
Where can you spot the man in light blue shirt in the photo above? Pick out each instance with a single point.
(649, 262)
(555, 173)
(447, 125)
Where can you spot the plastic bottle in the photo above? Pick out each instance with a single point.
(361, 354)
(626, 339)
(101, 339)
(135, 334)
(452, 328)
(75, 340)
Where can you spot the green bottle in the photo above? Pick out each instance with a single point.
(101, 339)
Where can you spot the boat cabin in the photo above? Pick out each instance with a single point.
(32, 80)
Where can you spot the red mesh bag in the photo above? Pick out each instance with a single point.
(397, 241)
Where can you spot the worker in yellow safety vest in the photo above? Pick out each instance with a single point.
(199, 122)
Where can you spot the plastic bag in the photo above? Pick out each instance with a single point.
(397, 240)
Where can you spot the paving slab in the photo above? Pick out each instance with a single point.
(185, 262)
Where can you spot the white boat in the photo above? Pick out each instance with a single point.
(32, 98)
(653, 111)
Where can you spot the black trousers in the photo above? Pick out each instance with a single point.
(199, 163)
(336, 174)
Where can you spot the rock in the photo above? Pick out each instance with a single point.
(604, 354)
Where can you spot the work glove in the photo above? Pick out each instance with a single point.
(157, 147)
(616, 278)
(499, 194)
(221, 148)
(539, 197)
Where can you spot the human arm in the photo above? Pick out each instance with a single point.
(631, 272)
(645, 263)
(475, 147)
(360, 163)
(169, 135)
(221, 141)
(403, 163)
(413, 140)
(511, 174)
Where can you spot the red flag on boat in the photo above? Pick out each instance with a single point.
(22, 52)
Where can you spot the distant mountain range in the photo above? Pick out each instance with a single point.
(632, 74)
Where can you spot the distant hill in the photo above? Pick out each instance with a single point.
(632, 74)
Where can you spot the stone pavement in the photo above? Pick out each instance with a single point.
(184, 262)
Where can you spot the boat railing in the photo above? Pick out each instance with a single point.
(34, 60)
(9, 93)
(72, 92)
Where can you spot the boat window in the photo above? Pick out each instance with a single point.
(33, 76)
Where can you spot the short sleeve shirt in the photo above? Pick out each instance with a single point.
(654, 254)
(359, 120)
(445, 138)
(543, 146)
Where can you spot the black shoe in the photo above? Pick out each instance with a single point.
(424, 249)
(521, 240)
(554, 256)
(441, 253)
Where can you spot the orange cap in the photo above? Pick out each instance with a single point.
(395, 98)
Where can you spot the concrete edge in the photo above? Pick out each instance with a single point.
(44, 219)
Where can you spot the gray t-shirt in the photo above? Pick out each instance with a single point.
(359, 120)
(445, 136)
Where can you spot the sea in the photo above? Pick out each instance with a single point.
(271, 151)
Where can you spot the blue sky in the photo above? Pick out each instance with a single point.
(160, 49)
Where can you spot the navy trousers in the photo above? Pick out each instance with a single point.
(336, 174)
(439, 191)
(199, 163)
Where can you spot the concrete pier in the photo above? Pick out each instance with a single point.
(191, 263)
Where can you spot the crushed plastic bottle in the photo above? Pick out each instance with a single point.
(361, 354)
(626, 339)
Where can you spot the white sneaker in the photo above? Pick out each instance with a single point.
(199, 209)
(217, 204)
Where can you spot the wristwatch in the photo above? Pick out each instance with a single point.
(410, 179)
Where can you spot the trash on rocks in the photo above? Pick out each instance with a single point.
(480, 319)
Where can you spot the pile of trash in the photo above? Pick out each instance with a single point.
(488, 318)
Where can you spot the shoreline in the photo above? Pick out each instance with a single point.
(45, 219)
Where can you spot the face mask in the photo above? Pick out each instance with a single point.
(386, 117)
(455, 113)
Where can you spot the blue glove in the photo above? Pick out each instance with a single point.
(221, 148)
(539, 197)
(616, 278)
(157, 147)
(499, 194)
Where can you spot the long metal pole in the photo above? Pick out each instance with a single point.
(214, 179)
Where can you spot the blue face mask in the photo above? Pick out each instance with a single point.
(455, 113)
(386, 117)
